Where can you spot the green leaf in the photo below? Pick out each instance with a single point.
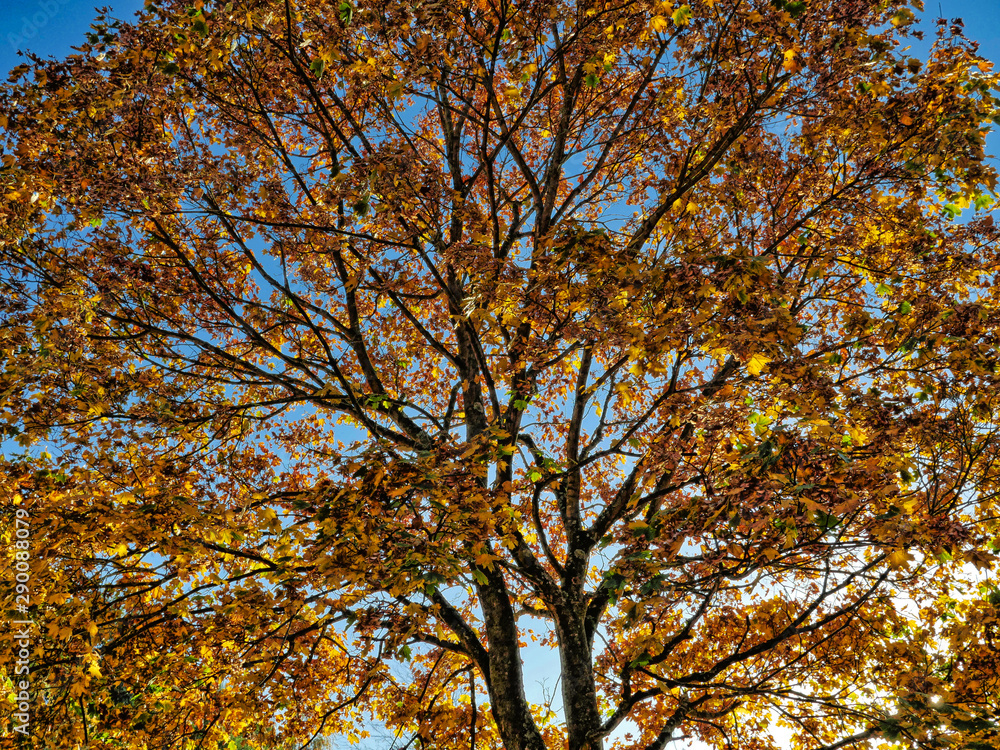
(890, 729)
(200, 26)
(592, 80)
(795, 9)
(826, 521)
(904, 309)
(480, 577)
(653, 585)
(394, 89)
(318, 66)
(976, 724)
(641, 660)
(613, 580)
(681, 16)
(640, 528)
(346, 13)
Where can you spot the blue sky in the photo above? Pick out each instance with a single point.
(50, 27)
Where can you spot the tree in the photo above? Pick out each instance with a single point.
(349, 348)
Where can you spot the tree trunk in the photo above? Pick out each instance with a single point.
(505, 681)
(579, 691)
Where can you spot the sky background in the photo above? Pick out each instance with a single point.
(53, 27)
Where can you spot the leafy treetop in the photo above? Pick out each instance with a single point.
(368, 342)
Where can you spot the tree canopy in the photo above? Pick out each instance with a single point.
(350, 350)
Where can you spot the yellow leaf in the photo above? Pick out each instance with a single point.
(791, 63)
(658, 23)
(756, 363)
(791, 536)
(858, 435)
(903, 17)
(900, 558)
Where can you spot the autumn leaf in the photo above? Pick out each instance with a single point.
(682, 16)
(756, 363)
(791, 62)
(981, 559)
(900, 558)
